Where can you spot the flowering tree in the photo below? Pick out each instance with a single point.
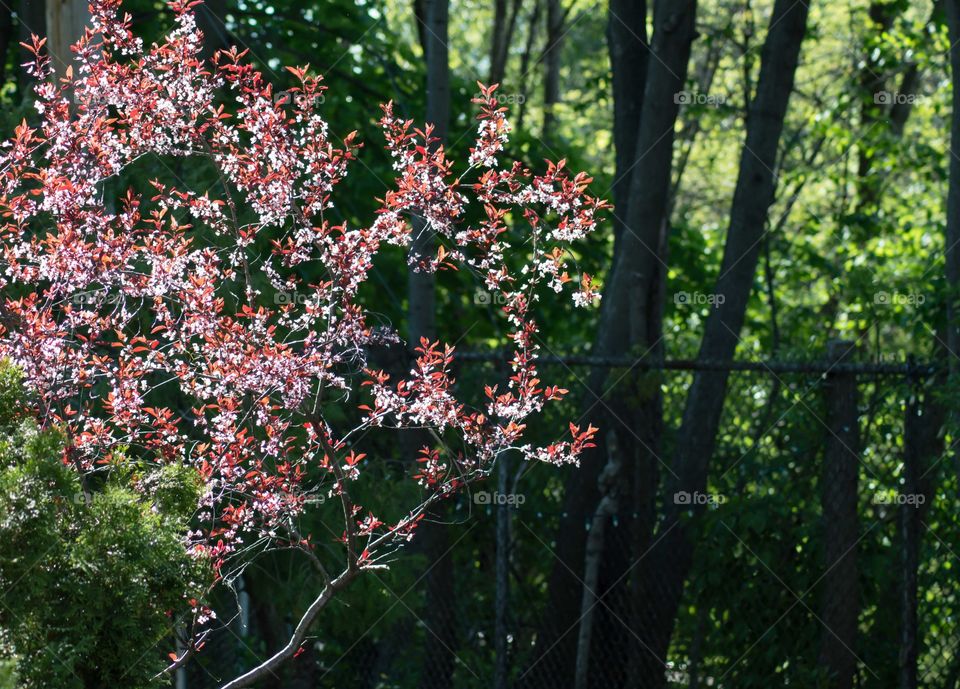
(110, 302)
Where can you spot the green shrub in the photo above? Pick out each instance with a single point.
(91, 582)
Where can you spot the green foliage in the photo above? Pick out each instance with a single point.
(92, 579)
(829, 259)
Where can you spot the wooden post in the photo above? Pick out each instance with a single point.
(922, 445)
(841, 463)
(501, 669)
(909, 527)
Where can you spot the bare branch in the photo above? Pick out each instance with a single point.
(299, 634)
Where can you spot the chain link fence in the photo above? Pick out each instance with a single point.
(825, 554)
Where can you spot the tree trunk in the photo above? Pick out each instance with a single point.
(629, 322)
(666, 568)
(527, 55)
(421, 285)
(31, 19)
(551, 77)
(210, 20)
(65, 20)
(632, 315)
(840, 604)
(629, 58)
(607, 487)
(910, 82)
(440, 635)
(953, 215)
(6, 35)
(953, 200)
(504, 23)
(439, 615)
(420, 17)
(627, 42)
(498, 33)
(923, 445)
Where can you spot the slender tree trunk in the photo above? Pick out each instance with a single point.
(953, 196)
(696, 648)
(632, 315)
(180, 678)
(421, 285)
(439, 617)
(504, 24)
(607, 487)
(629, 58)
(527, 56)
(629, 322)
(6, 35)
(210, 20)
(65, 21)
(840, 604)
(551, 77)
(923, 442)
(31, 19)
(666, 568)
(953, 215)
(420, 18)
(498, 36)
(909, 83)
(638, 423)
(627, 43)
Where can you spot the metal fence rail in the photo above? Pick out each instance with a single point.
(905, 368)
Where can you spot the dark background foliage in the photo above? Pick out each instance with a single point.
(855, 246)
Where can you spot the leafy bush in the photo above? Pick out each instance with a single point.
(92, 578)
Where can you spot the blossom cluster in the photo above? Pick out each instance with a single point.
(110, 300)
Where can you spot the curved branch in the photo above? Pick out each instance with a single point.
(299, 634)
(184, 657)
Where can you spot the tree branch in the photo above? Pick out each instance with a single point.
(299, 634)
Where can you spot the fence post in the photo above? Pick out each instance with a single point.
(840, 601)
(909, 523)
(922, 444)
(501, 668)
